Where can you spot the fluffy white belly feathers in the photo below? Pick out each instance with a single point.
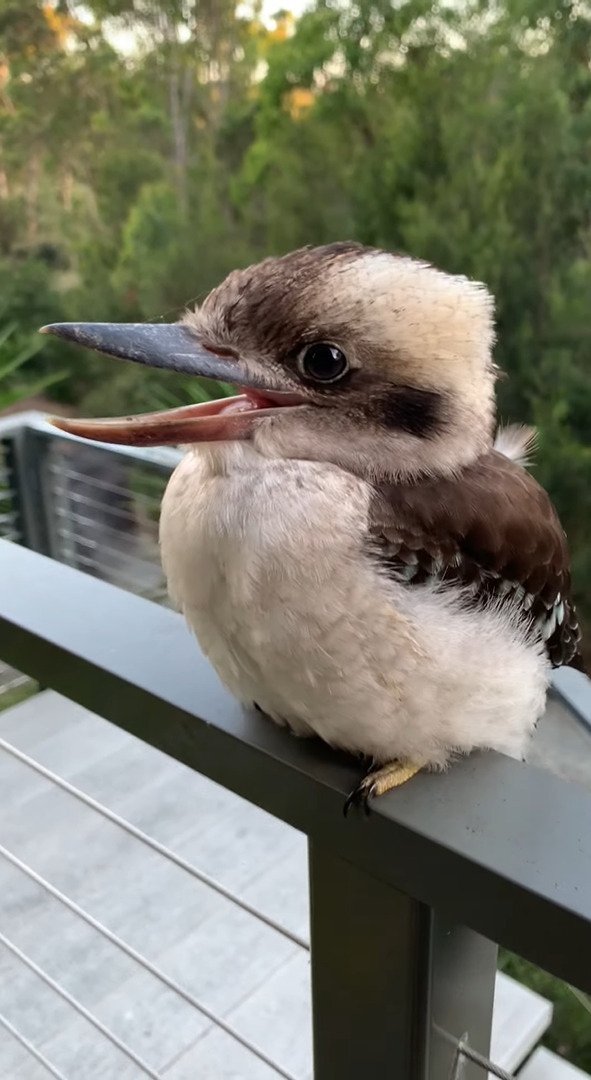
(270, 563)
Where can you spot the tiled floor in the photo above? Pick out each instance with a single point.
(242, 970)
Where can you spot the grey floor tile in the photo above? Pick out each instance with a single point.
(37, 718)
(282, 892)
(83, 1053)
(155, 911)
(227, 958)
(150, 1018)
(49, 822)
(73, 953)
(30, 1005)
(278, 1016)
(72, 846)
(59, 733)
(177, 805)
(16, 1063)
(87, 738)
(240, 847)
(119, 880)
(108, 780)
(222, 955)
(18, 783)
(219, 1057)
(21, 900)
(105, 776)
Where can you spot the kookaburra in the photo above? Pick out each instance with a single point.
(354, 551)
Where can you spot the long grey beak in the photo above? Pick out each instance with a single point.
(163, 345)
(172, 346)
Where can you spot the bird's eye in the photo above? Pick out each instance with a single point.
(323, 362)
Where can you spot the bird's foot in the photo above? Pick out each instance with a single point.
(379, 780)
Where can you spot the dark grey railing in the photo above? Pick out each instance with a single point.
(91, 506)
(406, 903)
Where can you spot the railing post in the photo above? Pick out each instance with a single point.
(24, 458)
(394, 988)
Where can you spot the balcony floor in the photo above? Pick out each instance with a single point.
(244, 971)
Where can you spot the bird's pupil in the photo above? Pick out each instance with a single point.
(324, 362)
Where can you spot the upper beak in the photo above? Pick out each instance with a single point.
(174, 347)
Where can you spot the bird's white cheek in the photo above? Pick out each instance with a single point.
(375, 453)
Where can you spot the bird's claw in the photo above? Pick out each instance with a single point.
(379, 780)
(361, 795)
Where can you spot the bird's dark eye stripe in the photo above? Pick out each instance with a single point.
(419, 412)
(323, 362)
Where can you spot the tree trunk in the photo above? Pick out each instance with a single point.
(179, 137)
(4, 188)
(180, 94)
(67, 189)
(32, 196)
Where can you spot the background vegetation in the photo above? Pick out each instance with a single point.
(147, 147)
(570, 1033)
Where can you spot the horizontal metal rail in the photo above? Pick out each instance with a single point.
(94, 504)
(492, 844)
(64, 472)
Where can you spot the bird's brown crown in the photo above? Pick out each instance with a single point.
(417, 348)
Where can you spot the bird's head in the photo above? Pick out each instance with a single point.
(343, 354)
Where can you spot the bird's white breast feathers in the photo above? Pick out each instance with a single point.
(268, 560)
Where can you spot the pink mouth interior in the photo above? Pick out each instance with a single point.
(253, 400)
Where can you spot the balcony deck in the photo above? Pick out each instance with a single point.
(243, 969)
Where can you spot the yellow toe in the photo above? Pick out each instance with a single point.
(392, 775)
(378, 781)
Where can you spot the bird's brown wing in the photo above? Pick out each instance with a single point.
(492, 529)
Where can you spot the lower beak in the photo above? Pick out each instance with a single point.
(212, 421)
(174, 347)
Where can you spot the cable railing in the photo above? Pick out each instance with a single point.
(406, 906)
(8, 514)
(144, 838)
(139, 958)
(82, 505)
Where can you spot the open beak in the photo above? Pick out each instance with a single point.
(174, 347)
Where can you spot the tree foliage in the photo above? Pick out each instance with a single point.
(147, 147)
